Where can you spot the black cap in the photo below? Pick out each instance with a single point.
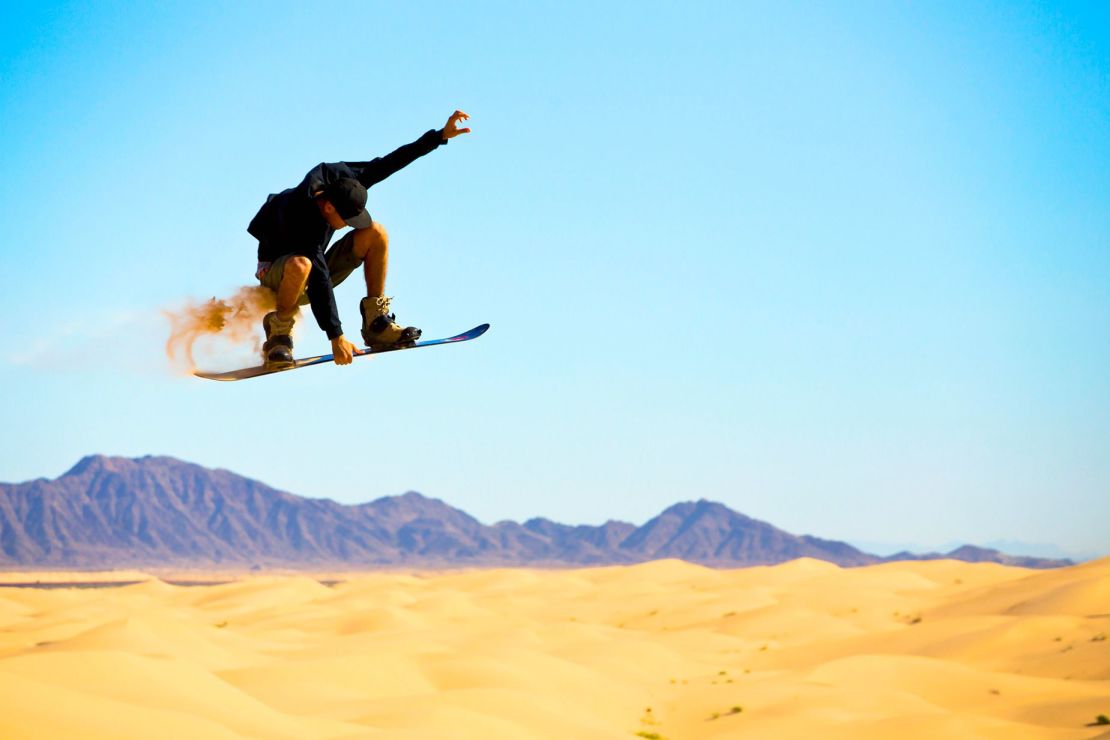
(349, 199)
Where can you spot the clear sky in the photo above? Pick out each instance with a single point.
(842, 267)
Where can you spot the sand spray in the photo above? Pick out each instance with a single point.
(237, 320)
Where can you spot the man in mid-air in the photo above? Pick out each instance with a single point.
(293, 229)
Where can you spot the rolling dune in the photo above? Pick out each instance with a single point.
(664, 649)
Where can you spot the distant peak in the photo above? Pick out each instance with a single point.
(406, 499)
(111, 464)
(95, 464)
(700, 508)
(969, 550)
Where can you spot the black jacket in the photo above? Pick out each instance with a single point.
(290, 223)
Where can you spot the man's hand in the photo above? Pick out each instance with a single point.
(451, 130)
(343, 350)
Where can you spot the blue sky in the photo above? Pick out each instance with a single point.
(845, 269)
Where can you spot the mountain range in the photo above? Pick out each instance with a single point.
(114, 512)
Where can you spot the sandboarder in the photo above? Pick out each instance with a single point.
(293, 229)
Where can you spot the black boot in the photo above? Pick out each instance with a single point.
(277, 352)
(380, 329)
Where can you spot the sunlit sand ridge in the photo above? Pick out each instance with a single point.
(665, 649)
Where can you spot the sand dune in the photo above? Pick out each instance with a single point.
(665, 649)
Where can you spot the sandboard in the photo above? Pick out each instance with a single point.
(254, 372)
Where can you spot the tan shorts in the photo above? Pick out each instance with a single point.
(340, 258)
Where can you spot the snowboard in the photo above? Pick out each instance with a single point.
(254, 372)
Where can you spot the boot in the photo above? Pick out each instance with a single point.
(379, 328)
(277, 352)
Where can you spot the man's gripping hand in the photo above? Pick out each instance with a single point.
(451, 130)
(343, 350)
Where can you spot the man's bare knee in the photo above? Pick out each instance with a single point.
(372, 240)
(374, 234)
(298, 266)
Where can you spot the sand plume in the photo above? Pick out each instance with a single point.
(235, 320)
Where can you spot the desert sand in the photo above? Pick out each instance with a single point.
(666, 649)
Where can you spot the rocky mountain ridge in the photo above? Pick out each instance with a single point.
(113, 512)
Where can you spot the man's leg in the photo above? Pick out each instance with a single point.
(291, 273)
(379, 329)
(293, 280)
(371, 246)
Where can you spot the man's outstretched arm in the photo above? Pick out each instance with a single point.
(376, 170)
